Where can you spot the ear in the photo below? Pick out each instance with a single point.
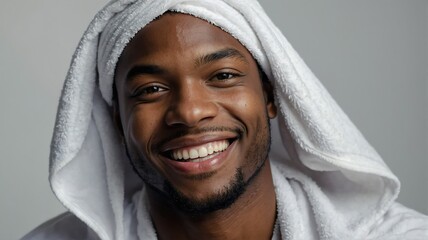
(269, 97)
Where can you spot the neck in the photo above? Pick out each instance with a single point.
(251, 216)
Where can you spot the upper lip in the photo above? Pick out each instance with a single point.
(195, 140)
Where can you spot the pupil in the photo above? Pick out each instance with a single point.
(224, 76)
(152, 89)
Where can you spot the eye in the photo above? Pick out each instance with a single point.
(225, 76)
(149, 92)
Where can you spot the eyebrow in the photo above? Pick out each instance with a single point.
(218, 55)
(202, 60)
(143, 69)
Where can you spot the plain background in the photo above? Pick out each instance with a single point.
(371, 55)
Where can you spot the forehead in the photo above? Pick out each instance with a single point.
(179, 33)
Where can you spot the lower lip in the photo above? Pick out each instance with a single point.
(211, 164)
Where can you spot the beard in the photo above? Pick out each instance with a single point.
(256, 158)
(220, 200)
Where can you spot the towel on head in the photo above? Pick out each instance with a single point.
(322, 165)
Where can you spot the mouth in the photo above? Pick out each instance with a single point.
(200, 152)
(198, 155)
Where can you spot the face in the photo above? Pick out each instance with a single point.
(193, 111)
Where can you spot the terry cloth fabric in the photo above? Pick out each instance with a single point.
(329, 182)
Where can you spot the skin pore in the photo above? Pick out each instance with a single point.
(194, 114)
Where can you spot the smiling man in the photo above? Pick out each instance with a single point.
(164, 132)
(194, 113)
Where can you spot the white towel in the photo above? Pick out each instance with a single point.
(319, 154)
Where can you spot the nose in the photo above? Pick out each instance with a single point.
(191, 105)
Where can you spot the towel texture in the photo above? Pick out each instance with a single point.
(326, 175)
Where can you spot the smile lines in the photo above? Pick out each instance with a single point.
(201, 151)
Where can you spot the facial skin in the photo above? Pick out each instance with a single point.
(185, 87)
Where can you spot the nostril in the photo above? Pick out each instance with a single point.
(190, 113)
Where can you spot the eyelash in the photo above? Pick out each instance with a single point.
(152, 90)
(148, 90)
(221, 76)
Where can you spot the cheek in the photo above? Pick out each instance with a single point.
(141, 127)
(246, 104)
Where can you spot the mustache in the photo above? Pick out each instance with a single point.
(173, 134)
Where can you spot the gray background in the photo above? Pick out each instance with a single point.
(371, 55)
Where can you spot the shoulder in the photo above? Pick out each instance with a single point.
(400, 222)
(65, 226)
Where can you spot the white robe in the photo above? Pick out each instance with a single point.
(329, 182)
(295, 208)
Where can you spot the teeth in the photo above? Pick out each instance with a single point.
(185, 154)
(203, 152)
(200, 151)
(210, 149)
(193, 153)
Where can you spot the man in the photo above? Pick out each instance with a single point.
(206, 142)
(184, 90)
